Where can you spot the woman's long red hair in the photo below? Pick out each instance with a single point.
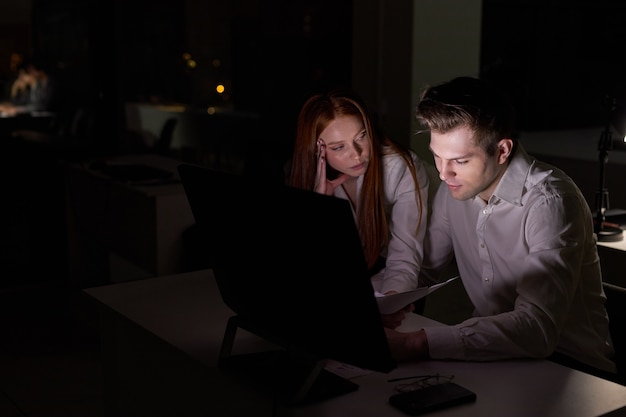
(316, 113)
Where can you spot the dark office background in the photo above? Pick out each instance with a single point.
(269, 55)
(557, 58)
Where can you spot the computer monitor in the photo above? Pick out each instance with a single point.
(289, 263)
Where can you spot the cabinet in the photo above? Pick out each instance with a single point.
(126, 217)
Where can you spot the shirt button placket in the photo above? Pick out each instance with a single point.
(483, 252)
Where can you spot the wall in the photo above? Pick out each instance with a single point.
(447, 42)
(395, 57)
(401, 46)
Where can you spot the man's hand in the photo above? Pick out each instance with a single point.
(407, 346)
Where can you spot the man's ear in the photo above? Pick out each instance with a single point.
(504, 149)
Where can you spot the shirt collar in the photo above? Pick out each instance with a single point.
(511, 185)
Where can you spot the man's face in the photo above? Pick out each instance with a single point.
(465, 167)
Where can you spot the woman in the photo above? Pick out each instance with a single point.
(338, 152)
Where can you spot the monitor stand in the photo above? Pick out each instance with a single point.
(290, 376)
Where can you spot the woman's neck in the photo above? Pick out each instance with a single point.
(350, 188)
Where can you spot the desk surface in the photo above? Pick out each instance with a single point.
(612, 257)
(621, 245)
(185, 311)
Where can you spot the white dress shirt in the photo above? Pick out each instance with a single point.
(529, 263)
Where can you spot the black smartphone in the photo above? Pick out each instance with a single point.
(434, 397)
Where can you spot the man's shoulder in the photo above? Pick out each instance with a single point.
(548, 183)
(544, 173)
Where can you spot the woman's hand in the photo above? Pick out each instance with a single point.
(322, 184)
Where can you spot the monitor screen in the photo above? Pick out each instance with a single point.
(289, 263)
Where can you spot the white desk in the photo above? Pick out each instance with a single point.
(621, 245)
(612, 260)
(161, 338)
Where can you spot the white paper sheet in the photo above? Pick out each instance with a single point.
(391, 303)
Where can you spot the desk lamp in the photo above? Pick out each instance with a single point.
(605, 232)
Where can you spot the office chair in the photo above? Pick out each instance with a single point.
(616, 308)
(164, 142)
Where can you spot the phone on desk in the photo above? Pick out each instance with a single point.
(434, 397)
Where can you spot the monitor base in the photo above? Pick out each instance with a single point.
(292, 377)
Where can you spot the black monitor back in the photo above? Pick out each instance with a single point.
(289, 262)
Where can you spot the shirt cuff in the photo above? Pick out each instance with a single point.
(444, 342)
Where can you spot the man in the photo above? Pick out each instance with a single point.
(32, 91)
(522, 236)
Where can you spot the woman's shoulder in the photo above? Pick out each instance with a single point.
(397, 171)
(392, 158)
(400, 178)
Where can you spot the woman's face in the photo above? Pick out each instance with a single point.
(348, 145)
